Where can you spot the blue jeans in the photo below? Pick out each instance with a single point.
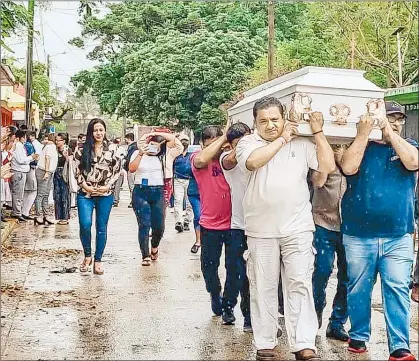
(392, 258)
(150, 209)
(195, 202)
(212, 245)
(327, 243)
(85, 206)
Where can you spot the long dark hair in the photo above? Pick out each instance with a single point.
(89, 145)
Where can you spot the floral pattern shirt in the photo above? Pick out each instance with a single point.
(106, 170)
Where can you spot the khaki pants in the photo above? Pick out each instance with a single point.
(181, 193)
(296, 269)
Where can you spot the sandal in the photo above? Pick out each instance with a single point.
(98, 269)
(155, 255)
(146, 261)
(195, 248)
(87, 262)
(63, 222)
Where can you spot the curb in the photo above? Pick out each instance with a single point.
(7, 230)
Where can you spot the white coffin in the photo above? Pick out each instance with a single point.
(326, 86)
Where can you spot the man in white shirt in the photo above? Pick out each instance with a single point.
(279, 226)
(120, 153)
(237, 181)
(20, 167)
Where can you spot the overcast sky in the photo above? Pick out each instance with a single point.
(55, 26)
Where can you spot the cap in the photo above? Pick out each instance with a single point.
(183, 137)
(394, 108)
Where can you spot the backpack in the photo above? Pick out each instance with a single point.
(130, 151)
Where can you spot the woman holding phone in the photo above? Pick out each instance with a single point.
(148, 164)
(97, 170)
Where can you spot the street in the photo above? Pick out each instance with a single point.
(131, 312)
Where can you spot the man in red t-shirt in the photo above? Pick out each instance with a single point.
(215, 225)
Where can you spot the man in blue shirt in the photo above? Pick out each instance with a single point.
(377, 227)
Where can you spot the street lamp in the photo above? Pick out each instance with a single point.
(399, 52)
(49, 61)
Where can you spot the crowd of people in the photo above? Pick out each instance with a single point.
(282, 205)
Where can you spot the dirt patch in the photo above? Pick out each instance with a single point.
(11, 290)
(14, 252)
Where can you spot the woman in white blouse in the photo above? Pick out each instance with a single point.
(44, 173)
(148, 164)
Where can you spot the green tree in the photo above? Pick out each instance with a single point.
(13, 17)
(326, 38)
(186, 77)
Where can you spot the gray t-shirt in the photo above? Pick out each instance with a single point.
(326, 201)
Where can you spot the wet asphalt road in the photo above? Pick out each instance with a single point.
(131, 312)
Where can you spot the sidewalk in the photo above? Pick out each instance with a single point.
(131, 312)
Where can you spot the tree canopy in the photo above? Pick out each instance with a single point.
(182, 60)
(13, 16)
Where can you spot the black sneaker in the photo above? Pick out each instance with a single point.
(228, 316)
(130, 205)
(247, 325)
(216, 304)
(116, 204)
(186, 226)
(357, 346)
(179, 227)
(337, 332)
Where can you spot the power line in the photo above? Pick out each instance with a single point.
(71, 50)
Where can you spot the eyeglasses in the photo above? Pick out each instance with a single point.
(392, 120)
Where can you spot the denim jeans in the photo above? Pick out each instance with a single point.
(196, 208)
(149, 206)
(85, 206)
(392, 258)
(212, 245)
(327, 243)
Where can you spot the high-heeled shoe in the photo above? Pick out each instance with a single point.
(97, 268)
(46, 221)
(36, 222)
(86, 264)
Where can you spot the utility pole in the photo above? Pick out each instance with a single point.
(48, 65)
(271, 39)
(29, 64)
(399, 53)
(353, 50)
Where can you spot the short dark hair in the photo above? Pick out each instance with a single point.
(23, 127)
(64, 136)
(129, 136)
(20, 134)
(32, 134)
(267, 102)
(237, 130)
(81, 135)
(210, 132)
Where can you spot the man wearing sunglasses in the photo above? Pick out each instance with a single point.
(377, 227)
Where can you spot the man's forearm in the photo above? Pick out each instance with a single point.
(230, 160)
(409, 155)
(325, 156)
(204, 157)
(352, 157)
(47, 163)
(261, 156)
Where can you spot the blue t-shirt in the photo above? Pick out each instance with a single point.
(379, 200)
(182, 166)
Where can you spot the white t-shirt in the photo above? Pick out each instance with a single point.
(149, 171)
(237, 180)
(277, 199)
(51, 151)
